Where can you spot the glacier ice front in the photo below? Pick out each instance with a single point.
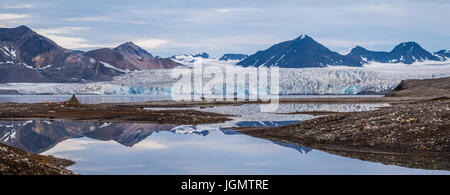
(371, 79)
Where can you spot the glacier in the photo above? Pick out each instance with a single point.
(373, 78)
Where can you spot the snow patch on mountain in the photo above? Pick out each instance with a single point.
(190, 61)
(113, 67)
(190, 58)
(197, 130)
(10, 52)
(106, 124)
(418, 65)
(302, 36)
(9, 136)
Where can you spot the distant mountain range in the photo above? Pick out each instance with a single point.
(445, 53)
(38, 136)
(191, 58)
(231, 56)
(305, 52)
(302, 52)
(407, 53)
(26, 56)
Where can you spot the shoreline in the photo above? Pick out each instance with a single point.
(420, 131)
(14, 161)
(137, 112)
(106, 113)
(318, 134)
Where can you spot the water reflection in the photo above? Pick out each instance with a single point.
(140, 148)
(38, 136)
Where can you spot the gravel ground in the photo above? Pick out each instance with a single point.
(418, 129)
(14, 161)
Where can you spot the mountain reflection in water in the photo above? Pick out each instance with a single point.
(143, 148)
(38, 136)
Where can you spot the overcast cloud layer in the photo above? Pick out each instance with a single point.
(168, 27)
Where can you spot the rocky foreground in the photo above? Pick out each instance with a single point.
(417, 133)
(107, 112)
(14, 161)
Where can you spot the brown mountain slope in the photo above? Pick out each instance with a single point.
(26, 56)
(129, 56)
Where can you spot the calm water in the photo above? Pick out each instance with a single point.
(139, 148)
(95, 99)
(128, 148)
(85, 99)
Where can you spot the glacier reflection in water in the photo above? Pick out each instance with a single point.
(138, 148)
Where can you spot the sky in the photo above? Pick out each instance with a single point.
(170, 27)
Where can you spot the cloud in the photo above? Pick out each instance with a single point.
(367, 9)
(149, 145)
(61, 30)
(76, 42)
(63, 38)
(74, 145)
(87, 19)
(205, 15)
(18, 6)
(150, 43)
(217, 27)
(224, 41)
(11, 16)
(69, 42)
(102, 19)
(231, 10)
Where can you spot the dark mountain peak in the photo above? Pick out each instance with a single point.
(407, 47)
(23, 28)
(409, 44)
(357, 51)
(202, 55)
(14, 34)
(25, 46)
(359, 48)
(110, 56)
(232, 56)
(364, 55)
(129, 56)
(129, 43)
(443, 51)
(129, 48)
(406, 52)
(443, 54)
(303, 37)
(301, 52)
(410, 52)
(305, 40)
